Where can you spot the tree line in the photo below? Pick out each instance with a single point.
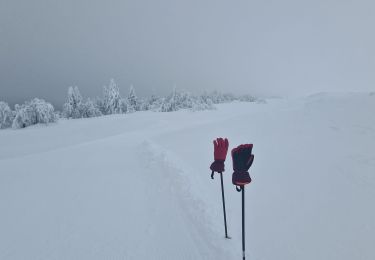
(39, 111)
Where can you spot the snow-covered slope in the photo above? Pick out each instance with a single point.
(138, 186)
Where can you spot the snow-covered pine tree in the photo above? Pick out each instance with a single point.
(99, 103)
(155, 103)
(204, 95)
(171, 103)
(71, 109)
(124, 105)
(143, 104)
(216, 97)
(174, 100)
(202, 102)
(185, 100)
(112, 99)
(165, 105)
(132, 104)
(6, 115)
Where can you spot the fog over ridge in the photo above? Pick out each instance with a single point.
(283, 48)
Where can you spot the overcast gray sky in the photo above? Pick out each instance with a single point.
(264, 47)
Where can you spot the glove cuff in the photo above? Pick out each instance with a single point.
(241, 178)
(217, 166)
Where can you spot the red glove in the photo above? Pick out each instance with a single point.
(220, 153)
(242, 160)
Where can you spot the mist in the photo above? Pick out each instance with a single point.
(284, 48)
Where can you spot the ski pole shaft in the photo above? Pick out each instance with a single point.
(243, 222)
(223, 198)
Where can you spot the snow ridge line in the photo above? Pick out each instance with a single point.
(158, 125)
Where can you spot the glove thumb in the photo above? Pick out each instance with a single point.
(250, 161)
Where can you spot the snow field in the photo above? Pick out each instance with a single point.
(138, 186)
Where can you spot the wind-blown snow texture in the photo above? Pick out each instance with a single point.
(137, 186)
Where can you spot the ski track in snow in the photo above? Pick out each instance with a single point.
(138, 186)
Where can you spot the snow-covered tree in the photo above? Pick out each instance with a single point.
(6, 115)
(124, 105)
(186, 100)
(44, 111)
(174, 100)
(177, 100)
(228, 97)
(25, 116)
(89, 109)
(216, 97)
(247, 98)
(171, 103)
(34, 112)
(71, 109)
(166, 106)
(99, 103)
(202, 103)
(154, 103)
(132, 104)
(112, 99)
(143, 104)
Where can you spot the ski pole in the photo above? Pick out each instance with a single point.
(223, 200)
(239, 189)
(243, 222)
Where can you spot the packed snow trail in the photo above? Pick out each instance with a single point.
(138, 186)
